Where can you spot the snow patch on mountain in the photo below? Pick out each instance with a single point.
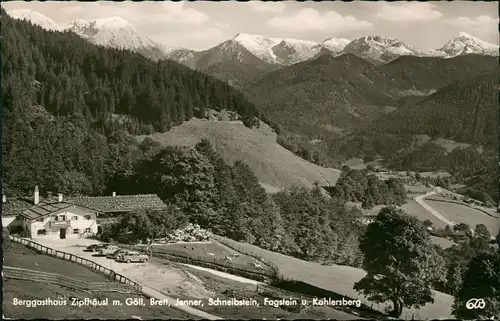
(335, 45)
(277, 50)
(35, 18)
(464, 44)
(113, 32)
(377, 48)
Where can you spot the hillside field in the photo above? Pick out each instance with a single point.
(464, 214)
(339, 279)
(274, 165)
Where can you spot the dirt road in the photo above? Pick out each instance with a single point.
(159, 280)
(421, 200)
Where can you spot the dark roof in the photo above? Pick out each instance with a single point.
(15, 206)
(45, 207)
(119, 203)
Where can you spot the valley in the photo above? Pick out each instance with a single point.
(315, 163)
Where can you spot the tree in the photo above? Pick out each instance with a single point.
(482, 231)
(481, 281)
(400, 260)
(462, 227)
(427, 223)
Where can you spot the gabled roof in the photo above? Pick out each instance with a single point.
(119, 203)
(15, 206)
(103, 204)
(44, 208)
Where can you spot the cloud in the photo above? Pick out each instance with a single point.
(221, 25)
(196, 38)
(72, 9)
(407, 11)
(176, 12)
(312, 20)
(479, 23)
(271, 7)
(207, 33)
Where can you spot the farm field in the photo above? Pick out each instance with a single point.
(442, 242)
(412, 208)
(464, 214)
(274, 165)
(17, 255)
(208, 251)
(338, 279)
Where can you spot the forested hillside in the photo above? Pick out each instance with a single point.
(328, 91)
(466, 111)
(424, 75)
(69, 107)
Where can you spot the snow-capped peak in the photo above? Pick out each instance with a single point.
(115, 32)
(35, 18)
(335, 44)
(111, 23)
(378, 48)
(277, 50)
(465, 43)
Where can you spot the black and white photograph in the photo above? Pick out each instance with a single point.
(188, 160)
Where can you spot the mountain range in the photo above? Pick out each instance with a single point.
(260, 51)
(330, 94)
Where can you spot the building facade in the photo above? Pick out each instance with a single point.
(70, 217)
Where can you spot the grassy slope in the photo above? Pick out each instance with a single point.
(339, 279)
(17, 255)
(227, 289)
(273, 164)
(464, 214)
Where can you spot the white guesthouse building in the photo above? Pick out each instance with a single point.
(61, 218)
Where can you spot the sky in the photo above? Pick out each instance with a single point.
(203, 24)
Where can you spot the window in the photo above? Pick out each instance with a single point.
(88, 217)
(76, 231)
(74, 218)
(63, 217)
(56, 218)
(88, 230)
(98, 221)
(53, 218)
(41, 232)
(40, 220)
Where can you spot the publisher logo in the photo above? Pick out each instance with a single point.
(475, 304)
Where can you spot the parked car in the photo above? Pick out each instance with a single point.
(132, 256)
(108, 249)
(95, 247)
(116, 253)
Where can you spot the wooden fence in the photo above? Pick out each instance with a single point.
(113, 276)
(215, 263)
(40, 276)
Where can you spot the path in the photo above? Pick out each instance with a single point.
(224, 275)
(421, 200)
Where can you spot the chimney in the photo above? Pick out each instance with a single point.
(60, 197)
(4, 198)
(36, 196)
(114, 194)
(49, 195)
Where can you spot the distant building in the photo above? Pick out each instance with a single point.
(60, 217)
